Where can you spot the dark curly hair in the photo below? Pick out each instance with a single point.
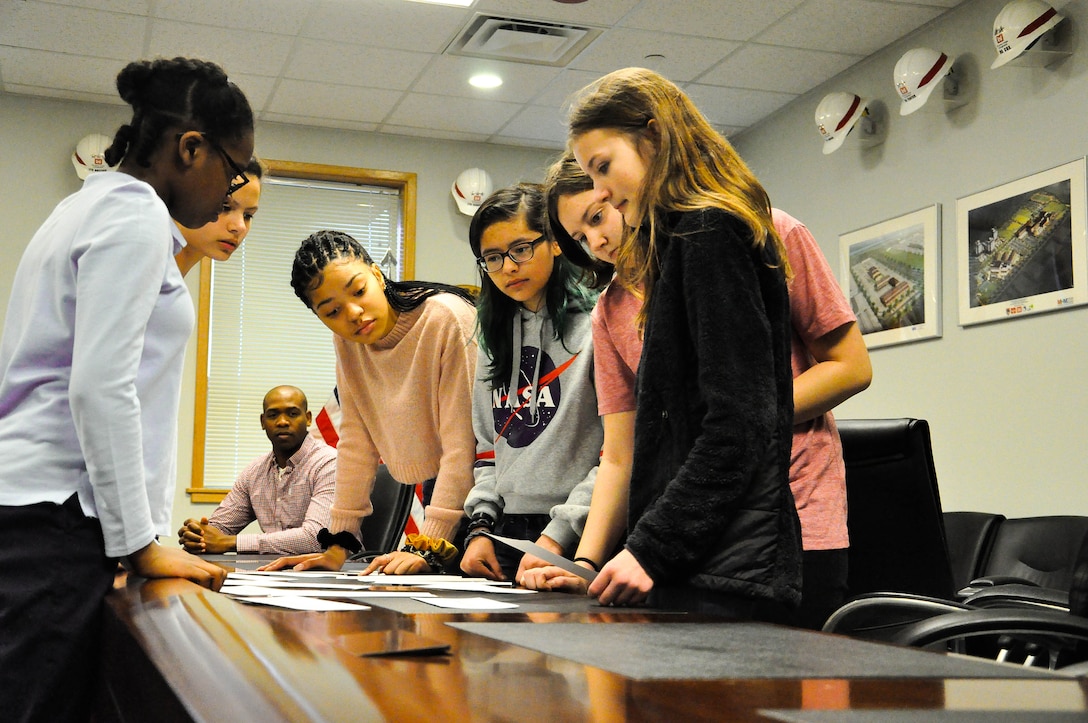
(324, 247)
(167, 93)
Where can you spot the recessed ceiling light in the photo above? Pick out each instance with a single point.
(485, 80)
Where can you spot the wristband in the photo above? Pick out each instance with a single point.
(344, 539)
(586, 560)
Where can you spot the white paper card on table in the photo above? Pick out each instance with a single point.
(258, 591)
(416, 580)
(463, 586)
(467, 603)
(303, 603)
(547, 556)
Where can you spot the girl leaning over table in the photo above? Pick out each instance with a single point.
(405, 359)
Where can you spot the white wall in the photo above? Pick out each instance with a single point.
(37, 137)
(1006, 400)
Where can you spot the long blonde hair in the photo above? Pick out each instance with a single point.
(690, 166)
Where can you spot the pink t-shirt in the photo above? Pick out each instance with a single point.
(817, 307)
(616, 349)
(817, 472)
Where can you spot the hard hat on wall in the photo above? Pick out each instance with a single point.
(917, 73)
(1019, 25)
(836, 116)
(470, 189)
(90, 155)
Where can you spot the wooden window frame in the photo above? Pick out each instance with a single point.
(403, 181)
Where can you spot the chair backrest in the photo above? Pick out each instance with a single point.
(392, 502)
(897, 538)
(970, 537)
(1042, 550)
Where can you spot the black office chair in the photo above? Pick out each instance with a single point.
(1033, 636)
(382, 529)
(897, 536)
(970, 537)
(1034, 551)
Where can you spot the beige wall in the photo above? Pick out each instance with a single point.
(1006, 400)
(37, 137)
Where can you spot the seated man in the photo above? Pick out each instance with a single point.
(288, 491)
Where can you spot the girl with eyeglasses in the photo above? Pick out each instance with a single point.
(91, 360)
(405, 359)
(538, 437)
(712, 523)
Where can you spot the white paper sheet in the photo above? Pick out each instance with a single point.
(304, 603)
(466, 603)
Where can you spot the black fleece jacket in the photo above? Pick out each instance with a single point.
(710, 500)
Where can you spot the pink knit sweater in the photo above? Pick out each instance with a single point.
(407, 399)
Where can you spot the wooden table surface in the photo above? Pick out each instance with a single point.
(173, 651)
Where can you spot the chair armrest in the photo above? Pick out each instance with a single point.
(1020, 596)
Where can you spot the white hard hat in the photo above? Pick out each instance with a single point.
(917, 73)
(1018, 25)
(470, 189)
(836, 116)
(90, 155)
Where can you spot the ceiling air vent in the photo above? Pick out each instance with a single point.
(522, 41)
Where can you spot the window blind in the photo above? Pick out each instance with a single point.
(260, 334)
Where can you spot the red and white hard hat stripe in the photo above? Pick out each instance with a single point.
(849, 114)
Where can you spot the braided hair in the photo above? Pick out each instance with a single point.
(324, 247)
(181, 91)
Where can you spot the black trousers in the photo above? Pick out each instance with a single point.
(54, 574)
(823, 587)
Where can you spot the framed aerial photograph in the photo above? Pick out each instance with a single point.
(891, 276)
(1021, 246)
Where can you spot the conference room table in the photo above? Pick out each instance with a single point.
(173, 651)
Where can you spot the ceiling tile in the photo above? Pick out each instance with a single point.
(343, 102)
(561, 90)
(445, 113)
(819, 24)
(736, 107)
(538, 122)
(322, 61)
(733, 20)
(308, 120)
(685, 57)
(258, 90)
(773, 67)
(253, 53)
(72, 30)
(387, 24)
(56, 71)
(282, 17)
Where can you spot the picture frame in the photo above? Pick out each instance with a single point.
(1021, 246)
(891, 276)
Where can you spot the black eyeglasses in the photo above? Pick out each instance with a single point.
(492, 262)
(239, 178)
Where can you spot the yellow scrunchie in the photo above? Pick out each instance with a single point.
(444, 549)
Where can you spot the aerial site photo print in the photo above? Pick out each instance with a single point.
(1022, 246)
(890, 274)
